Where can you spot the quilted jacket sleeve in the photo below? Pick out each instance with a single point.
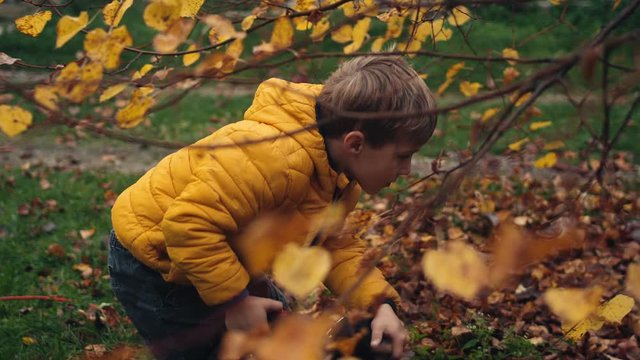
(347, 252)
(233, 187)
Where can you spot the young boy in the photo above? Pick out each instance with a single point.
(171, 257)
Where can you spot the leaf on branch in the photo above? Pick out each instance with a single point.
(134, 112)
(547, 161)
(458, 269)
(33, 24)
(366, 7)
(633, 280)
(516, 146)
(539, 125)
(105, 48)
(160, 14)
(301, 23)
(512, 54)
(112, 91)
(377, 44)
(189, 59)
(320, 29)
(413, 46)
(454, 70)
(509, 74)
(469, 88)
(557, 2)
(234, 51)
(247, 22)
(75, 83)
(221, 29)
(459, 16)
(14, 119)
(359, 33)
(142, 72)
(489, 114)
(69, 26)
(46, 95)
(439, 32)
(169, 40)
(613, 311)
(6, 59)
(282, 35)
(114, 11)
(299, 270)
(395, 23)
(190, 8)
(518, 99)
(342, 34)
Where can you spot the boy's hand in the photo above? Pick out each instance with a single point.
(250, 313)
(386, 322)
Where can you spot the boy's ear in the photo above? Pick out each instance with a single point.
(353, 142)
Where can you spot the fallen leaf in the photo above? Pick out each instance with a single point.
(573, 305)
(633, 280)
(56, 250)
(28, 340)
(612, 311)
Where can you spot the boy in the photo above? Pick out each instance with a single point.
(171, 260)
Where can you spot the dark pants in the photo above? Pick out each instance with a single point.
(171, 318)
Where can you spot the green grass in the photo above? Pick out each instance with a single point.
(27, 268)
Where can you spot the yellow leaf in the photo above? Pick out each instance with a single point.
(84, 269)
(366, 7)
(134, 112)
(612, 311)
(235, 49)
(142, 72)
(69, 26)
(556, 2)
(444, 86)
(221, 29)
(263, 49)
(189, 59)
(282, 35)
(539, 125)
(343, 34)
(633, 280)
(554, 145)
(413, 46)
(169, 40)
(105, 48)
(469, 88)
(423, 31)
(28, 340)
(160, 14)
(520, 99)
(616, 3)
(547, 161)
(488, 114)
(295, 336)
(359, 33)
(516, 146)
(510, 53)
(112, 91)
(320, 29)
(572, 305)
(14, 119)
(247, 22)
(300, 270)
(76, 83)
(46, 96)
(459, 16)
(377, 44)
(458, 269)
(509, 74)
(301, 23)
(114, 11)
(394, 26)
(190, 8)
(33, 24)
(454, 70)
(87, 233)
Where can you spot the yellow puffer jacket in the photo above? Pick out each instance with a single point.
(180, 218)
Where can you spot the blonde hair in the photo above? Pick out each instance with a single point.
(377, 84)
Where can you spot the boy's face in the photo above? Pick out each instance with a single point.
(377, 168)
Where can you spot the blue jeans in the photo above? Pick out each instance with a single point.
(171, 318)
